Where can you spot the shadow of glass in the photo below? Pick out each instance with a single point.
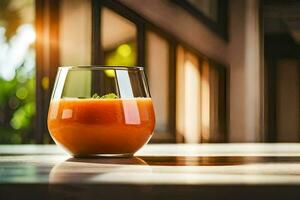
(108, 160)
(68, 178)
(74, 170)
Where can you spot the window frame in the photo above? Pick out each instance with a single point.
(170, 135)
(219, 26)
(47, 62)
(223, 106)
(97, 50)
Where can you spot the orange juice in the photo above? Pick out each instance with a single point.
(101, 126)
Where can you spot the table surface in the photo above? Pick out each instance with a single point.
(164, 171)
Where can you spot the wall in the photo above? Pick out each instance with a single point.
(241, 54)
(245, 72)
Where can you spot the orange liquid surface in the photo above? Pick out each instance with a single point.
(101, 126)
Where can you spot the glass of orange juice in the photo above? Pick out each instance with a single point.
(101, 110)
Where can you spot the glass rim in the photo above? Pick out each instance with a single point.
(101, 67)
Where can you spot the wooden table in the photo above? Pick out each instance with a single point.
(175, 171)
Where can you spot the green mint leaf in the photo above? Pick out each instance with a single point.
(106, 96)
(95, 96)
(109, 96)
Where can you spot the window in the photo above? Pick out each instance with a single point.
(201, 101)
(188, 91)
(188, 116)
(125, 41)
(17, 71)
(75, 42)
(158, 63)
(118, 39)
(121, 37)
(75, 26)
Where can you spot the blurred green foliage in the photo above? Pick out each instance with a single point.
(17, 109)
(17, 95)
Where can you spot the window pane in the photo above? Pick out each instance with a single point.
(188, 115)
(158, 69)
(200, 103)
(118, 39)
(75, 32)
(75, 42)
(17, 71)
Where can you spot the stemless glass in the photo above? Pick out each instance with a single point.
(101, 110)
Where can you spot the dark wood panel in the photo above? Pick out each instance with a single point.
(219, 26)
(39, 8)
(172, 89)
(47, 61)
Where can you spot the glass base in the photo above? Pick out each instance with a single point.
(125, 155)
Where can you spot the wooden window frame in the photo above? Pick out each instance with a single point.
(97, 51)
(47, 62)
(170, 135)
(219, 26)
